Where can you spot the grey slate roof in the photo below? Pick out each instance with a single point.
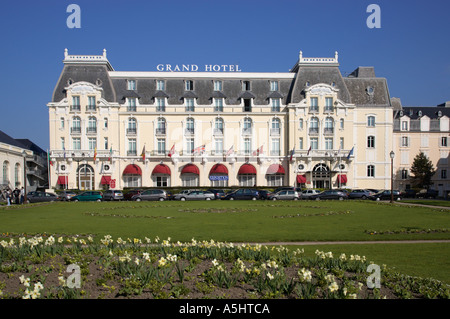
(431, 111)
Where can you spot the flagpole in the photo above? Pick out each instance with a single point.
(48, 165)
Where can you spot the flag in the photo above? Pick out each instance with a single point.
(48, 158)
(172, 151)
(64, 149)
(143, 154)
(258, 151)
(308, 151)
(230, 151)
(199, 149)
(350, 153)
(95, 154)
(292, 153)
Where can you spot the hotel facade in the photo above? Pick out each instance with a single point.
(220, 127)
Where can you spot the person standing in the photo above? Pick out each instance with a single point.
(8, 197)
(22, 195)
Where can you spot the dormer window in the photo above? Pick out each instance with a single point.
(370, 90)
(131, 84)
(189, 85)
(217, 85)
(245, 85)
(160, 85)
(419, 113)
(273, 86)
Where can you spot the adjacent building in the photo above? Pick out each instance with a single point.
(308, 127)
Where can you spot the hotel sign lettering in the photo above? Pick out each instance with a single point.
(195, 68)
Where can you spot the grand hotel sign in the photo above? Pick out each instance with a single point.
(195, 68)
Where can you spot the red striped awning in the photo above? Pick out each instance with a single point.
(342, 178)
(247, 169)
(132, 169)
(190, 169)
(62, 180)
(275, 169)
(301, 179)
(105, 180)
(161, 169)
(218, 169)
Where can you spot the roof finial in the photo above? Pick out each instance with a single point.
(336, 55)
(66, 52)
(104, 53)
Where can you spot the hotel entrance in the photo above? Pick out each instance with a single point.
(85, 177)
(320, 176)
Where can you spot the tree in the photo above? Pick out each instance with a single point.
(422, 170)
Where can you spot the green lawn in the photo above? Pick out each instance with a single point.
(256, 221)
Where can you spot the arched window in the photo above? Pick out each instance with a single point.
(17, 174)
(218, 126)
(276, 125)
(329, 125)
(76, 125)
(92, 125)
(190, 125)
(161, 125)
(371, 121)
(85, 177)
(5, 173)
(370, 141)
(131, 126)
(314, 125)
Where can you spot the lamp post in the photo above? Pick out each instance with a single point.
(392, 155)
(24, 153)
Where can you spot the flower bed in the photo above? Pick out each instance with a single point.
(79, 267)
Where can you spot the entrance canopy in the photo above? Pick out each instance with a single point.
(161, 169)
(190, 169)
(132, 169)
(247, 169)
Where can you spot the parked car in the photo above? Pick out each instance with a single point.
(243, 193)
(408, 193)
(66, 195)
(427, 193)
(151, 194)
(360, 194)
(128, 195)
(196, 195)
(386, 195)
(307, 193)
(37, 197)
(218, 193)
(285, 195)
(264, 194)
(88, 196)
(113, 194)
(330, 194)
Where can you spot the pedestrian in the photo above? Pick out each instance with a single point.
(8, 197)
(16, 195)
(22, 195)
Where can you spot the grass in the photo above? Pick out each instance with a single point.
(255, 221)
(429, 202)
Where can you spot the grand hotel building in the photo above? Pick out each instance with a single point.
(309, 127)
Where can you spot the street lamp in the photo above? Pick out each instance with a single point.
(24, 153)
(392, 155)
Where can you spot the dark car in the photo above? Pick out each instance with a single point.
(151, 194)
(66, 195)
(218, 193)
(429, 193)
(37, 197)
(360, 194)
(264, 194)
(330, 194)
(243, 193)
(88, 196)
(113, 194)
(131, 193)
(408, 193)
(386, 195)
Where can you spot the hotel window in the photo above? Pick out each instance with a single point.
(131, 180)
(247, 129)
(275, 104)
(245, 85)
(443, 174)
(189, 180)
(189, 105)
(444, 141)
(404, 125)
(341, 143)
(247, 180)
(247, 105)
(405, 141)
(370, 141)
(92, 143)
(132, 147)
(76, 125)
(62, 122)
(218, 126)
(275, 151)
(314, 107)
(189, 85)
(218, 105)
(370, 171)
(329, 125)
(161, 126)
(160, 104)
(218, 146)
(314, 126)
(160, 85)
(300, 124)
(131, 84)
(105, 123)
(217, 85)
(106, 144)
(404, 174)
(371, 121)
(162, 181)
(247, 146)
(91, 103)
(275, 180)
(274, 85)
(341, 124)
(275, 129)
(63, 143)
(92, 125)
(328, 143)
(190, 125)
(76, 143)
(300, 143)
(314, 143)
(17, 174)
(75, 103)
(131, 126)
(131, 107)
(189, 145)
(328, 104)
(161, 142)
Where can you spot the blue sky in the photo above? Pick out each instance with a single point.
(411, 49)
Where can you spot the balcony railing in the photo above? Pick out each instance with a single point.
(132, 153)
(313, 131)
(218, 131)
(91, 130)
(131, 108)
(247, 131)
(75, 130)
(160, 131)
(328, 131)
(91, 108)
(131, 131)
(75, 108)
(189, 131)
(275, 131)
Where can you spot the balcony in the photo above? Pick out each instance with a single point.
(75, 130)
(247, 131)
(132, 153)
(313, 131)
(75, 108)
(275, 131)
(131, 108)
(314, 109)
(160, 131)
(91, 108)
(189, 131)
(91, 130)
(131, 131)
(328, 131)
(218, 132)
